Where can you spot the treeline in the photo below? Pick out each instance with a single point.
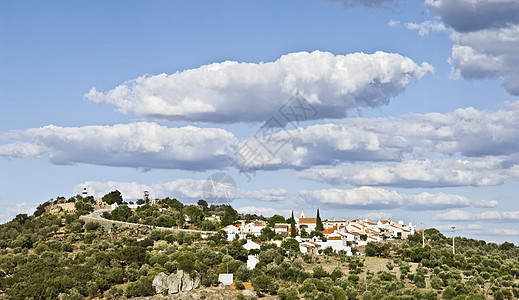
(171, 212)
(477, 269)
(46, 256)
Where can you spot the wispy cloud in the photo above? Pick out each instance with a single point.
(425, 27)
(9, 211)
(461, 215)
(265, 211)
(367, 3)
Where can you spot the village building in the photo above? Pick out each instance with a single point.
(310, 247)
(212, 218)
(340, 235)
(282, 228)
(252, 261)
(332, 224)
(250, 244)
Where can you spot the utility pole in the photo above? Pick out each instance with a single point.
(423, 235)
(453, 240)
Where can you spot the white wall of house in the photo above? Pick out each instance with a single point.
(251, 245)
(252, 261)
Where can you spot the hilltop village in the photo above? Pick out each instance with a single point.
(105, 248)
(312, 234)
(339, 235)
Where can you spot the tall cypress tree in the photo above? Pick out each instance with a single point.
(293, 232)
(318, 222)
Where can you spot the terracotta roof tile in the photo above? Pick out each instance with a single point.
(308, 220)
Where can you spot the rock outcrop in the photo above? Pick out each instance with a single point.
(178, 282)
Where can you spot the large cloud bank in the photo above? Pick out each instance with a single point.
(467, 147)
(139, 145)
(231, 92)
(486, 34)
(358, 198)
(376, 198)
(182, 189)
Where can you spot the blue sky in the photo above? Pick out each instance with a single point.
(415, 105)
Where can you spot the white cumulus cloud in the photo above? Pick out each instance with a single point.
(415, 173)
(377, 198)
(183, 189)
(231, 92)
(486, 38)
(139, 145)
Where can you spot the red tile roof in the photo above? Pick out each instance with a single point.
(328, 230)
(308, 220)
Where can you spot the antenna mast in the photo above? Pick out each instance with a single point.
(453, 240)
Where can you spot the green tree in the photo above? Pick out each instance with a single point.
(173, 203)
(288, 293)
(449, 293)
(293, 232)
(83, 208)
(230, 216)
(194, 213)
(265, 284)
(113, 197)
(204, 206)
(275, 219)
(121, 213)
(338, 293)
(92, 226)
(142, 287)
(318, 222)
(267, 234)
(291, 245)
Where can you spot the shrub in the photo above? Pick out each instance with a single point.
(239, 285)
(142, 287)
(265, 284)
(449, 293)
(338, 293)
(288, 293)
(92, 226)
(436, 283)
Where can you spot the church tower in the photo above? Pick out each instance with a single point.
(302, 215)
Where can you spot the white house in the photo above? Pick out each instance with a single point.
(251, 245)
(333, 223)
(252, 261)
(252, 228)
(308, 224)
(337, 242)
(226, 279)
(281, 228)
(231, 231)
(213, 218)
(310, 247)
(355, 227)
